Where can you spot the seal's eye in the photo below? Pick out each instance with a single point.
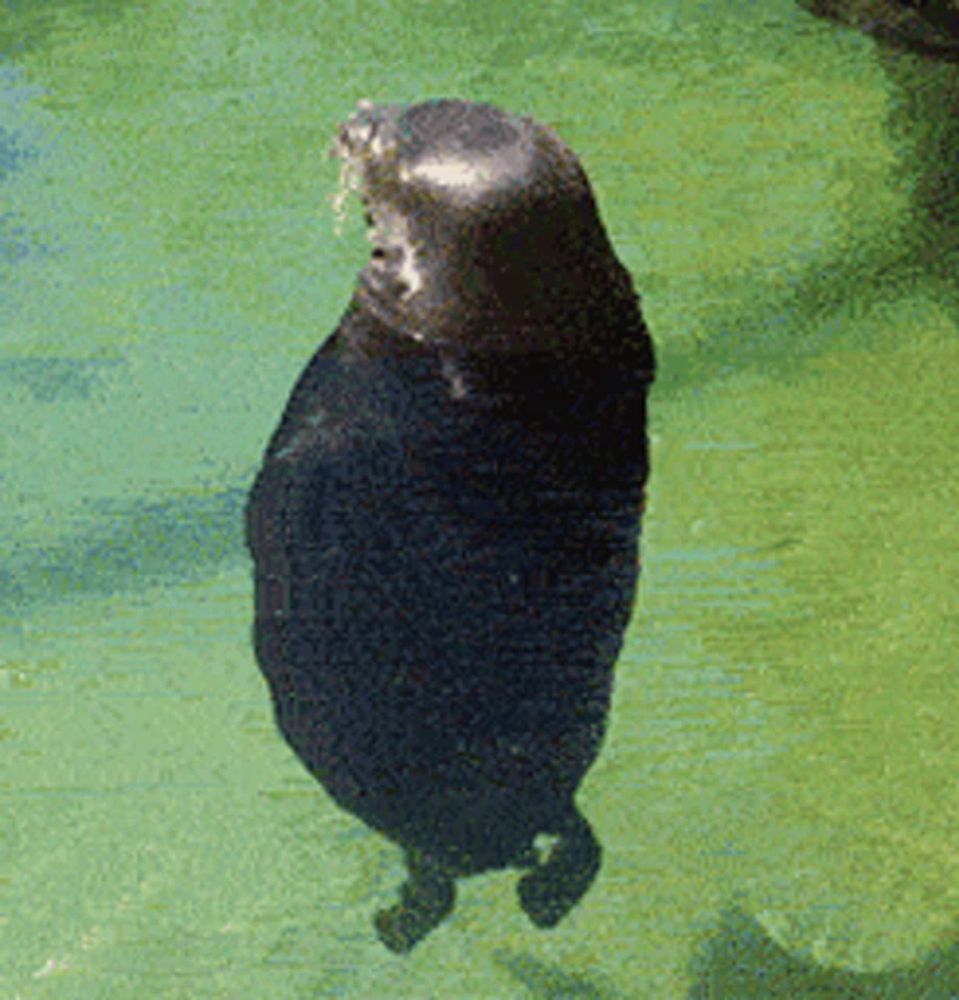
(367, 218)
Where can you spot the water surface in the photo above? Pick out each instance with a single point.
(776, 796)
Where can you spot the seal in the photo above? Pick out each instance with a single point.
(445, 525)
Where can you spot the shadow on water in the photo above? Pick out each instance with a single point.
(742, 962)
(920, 61)
(14, 154)
(929, 28)
(810, 316)
(548, 982)
(926, 115)
(128, 544)
(18, 151)
(50, 380)
(806, 318)
(803, 321)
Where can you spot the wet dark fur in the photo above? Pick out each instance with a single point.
(446, 554)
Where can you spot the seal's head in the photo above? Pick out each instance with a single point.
(485, 232)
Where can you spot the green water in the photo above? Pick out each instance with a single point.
(776, 796)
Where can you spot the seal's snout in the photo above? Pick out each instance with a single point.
(364, 145)
(367, 133)
(354, 135)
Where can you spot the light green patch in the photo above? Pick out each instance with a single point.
(843, 478)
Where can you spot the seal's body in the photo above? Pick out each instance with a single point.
(445, 526)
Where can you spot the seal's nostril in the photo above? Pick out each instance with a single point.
(357, 132)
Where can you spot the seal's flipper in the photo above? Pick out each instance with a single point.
(552, 889)
(426, 899)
